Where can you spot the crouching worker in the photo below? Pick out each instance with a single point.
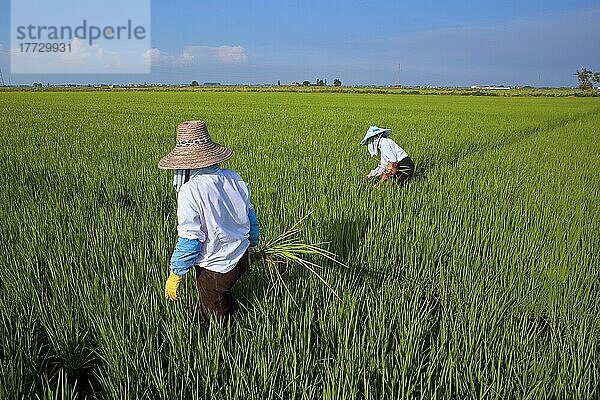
(217, 225)
(395, 163)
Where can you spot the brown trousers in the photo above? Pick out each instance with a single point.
(214, 289)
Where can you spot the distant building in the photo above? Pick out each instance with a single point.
(212, 83)
(491, 87)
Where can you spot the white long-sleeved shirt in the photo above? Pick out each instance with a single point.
(390, 152)
(212, 207)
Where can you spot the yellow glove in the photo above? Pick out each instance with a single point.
(171, 286)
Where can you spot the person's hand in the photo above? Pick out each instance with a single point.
(171, 286)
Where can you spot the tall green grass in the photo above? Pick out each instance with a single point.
(477, 280)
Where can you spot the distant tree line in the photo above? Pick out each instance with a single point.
(319, 82)
(323, 82)
(586, 77)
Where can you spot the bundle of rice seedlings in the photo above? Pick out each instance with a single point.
(288, 249)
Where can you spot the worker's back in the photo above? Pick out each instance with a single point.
(214, 206)
(391, 151)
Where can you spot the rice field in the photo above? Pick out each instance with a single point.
(480, 279)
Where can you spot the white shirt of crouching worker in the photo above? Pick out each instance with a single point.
(390, 152)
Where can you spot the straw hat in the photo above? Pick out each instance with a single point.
(194, 148)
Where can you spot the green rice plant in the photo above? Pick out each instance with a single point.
(288, 249)
(478, 279)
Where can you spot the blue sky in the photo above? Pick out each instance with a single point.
(439, 43)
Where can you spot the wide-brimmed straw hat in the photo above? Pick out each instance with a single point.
(375, 131)
(194, 148)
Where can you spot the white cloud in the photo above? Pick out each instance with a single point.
(232, 54)
(155, 55)
(82, 53)
(79, 57)
(199, 55)
(151, 53)
(83, 58)
(223, 54)
(79, 51)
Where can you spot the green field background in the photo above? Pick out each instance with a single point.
(480, 279)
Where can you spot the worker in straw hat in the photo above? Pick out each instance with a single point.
(217, 225)
(395, 163)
